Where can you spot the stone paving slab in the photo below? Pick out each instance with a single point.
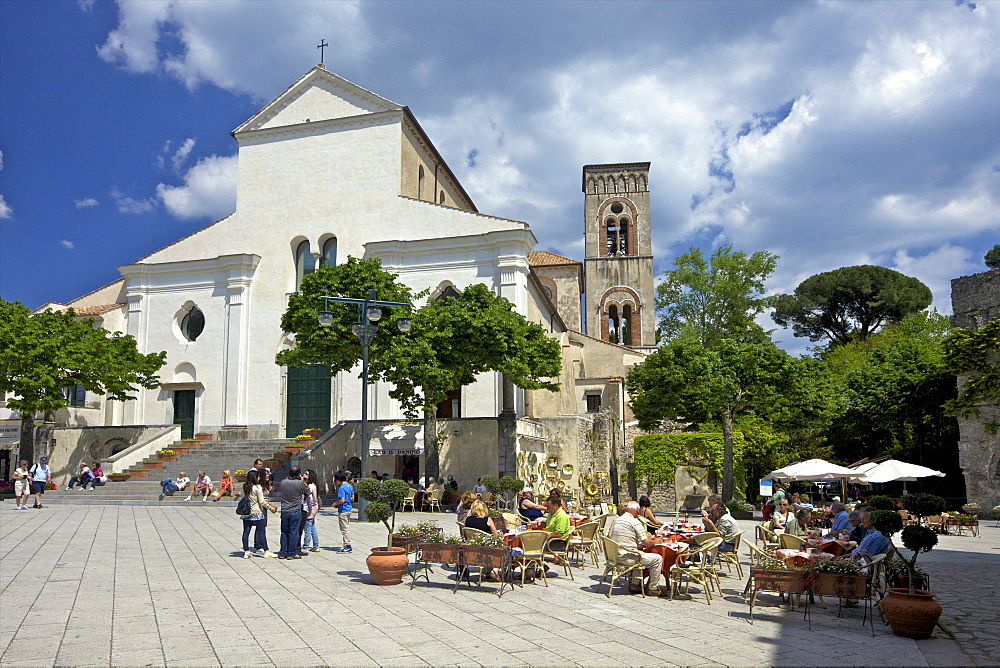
(146, 585)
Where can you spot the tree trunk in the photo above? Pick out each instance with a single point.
(432, 461)
(727, 455)
(26, 450)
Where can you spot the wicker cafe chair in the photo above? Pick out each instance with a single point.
(513, 521)
(434, 500)
(705, 536)
(533, 544)
(613, 550)
(701, 572)
(758, 557)
(766, 537)
(467, 533)
(733, 558)
(411, 496)
(584, 541)
(559, 556)
(788, 542)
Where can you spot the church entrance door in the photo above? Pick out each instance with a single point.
(308, 399)
(184, 412)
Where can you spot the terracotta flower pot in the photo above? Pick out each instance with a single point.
(294, 449)
(168, 458)
(304, 442)
(911, 615)
(119, 477)
(203, 437)
(139, 473)
(180, 449)
(152, 465)
(387, 565)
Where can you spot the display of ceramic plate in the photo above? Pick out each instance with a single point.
(550, 473)
(592, 489)
(532, 459)
(602, 476)
(561, 484)
(567, 469)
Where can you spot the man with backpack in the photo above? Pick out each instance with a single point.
(41, 475)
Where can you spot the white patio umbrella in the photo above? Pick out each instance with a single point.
(893, 469)
(816, 469)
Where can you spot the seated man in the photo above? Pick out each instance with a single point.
(857, 527)
(840, 518)
(718, 519)
(557, 524)
(171, 486)
(527, 507)
(874, 543)
(629, 532)
(797, 525)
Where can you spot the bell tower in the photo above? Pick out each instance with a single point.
(618, 263)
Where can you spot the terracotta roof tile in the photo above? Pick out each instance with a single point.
(95, 310)
(545, 258)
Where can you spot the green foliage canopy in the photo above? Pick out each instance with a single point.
(992, 257)
(657, 456)
(850, 303)
(383, 497)
(715, 298)
(44, 354)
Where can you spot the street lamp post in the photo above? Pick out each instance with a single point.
(370, 310)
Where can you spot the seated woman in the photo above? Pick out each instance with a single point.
(98, 473)
(464, 505)
(479, 518)
(202, 485)
(797, 525)
(225, 486)
(646, 513)
(432, 487)
(558, 495)
(527, 506)
(782, 516)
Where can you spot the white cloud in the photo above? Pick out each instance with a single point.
(241, 47)
(85, 202)
(5, 210)
(129, 205)
(936, 269)
(209, 190)
(66, 244)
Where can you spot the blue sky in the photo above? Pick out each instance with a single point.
(831, 134)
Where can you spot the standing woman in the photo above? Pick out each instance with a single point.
(309, 533)
(256, 518)
(22, 486)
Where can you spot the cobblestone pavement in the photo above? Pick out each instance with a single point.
(96, 585)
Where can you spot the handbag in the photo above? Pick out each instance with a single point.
(243, 507)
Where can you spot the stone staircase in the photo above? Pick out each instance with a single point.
(213, 457)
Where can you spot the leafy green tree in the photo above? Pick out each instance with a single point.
(975, 356)
(452, 341)
(715, 298)
(850, 303)
(992, 257)
(44, 355)
(689, 381)
(891, 392)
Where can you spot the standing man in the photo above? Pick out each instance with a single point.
(345, 496)
(293, 493)
(41, 475)
(629, 532)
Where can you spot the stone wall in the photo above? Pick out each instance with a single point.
(975, 301)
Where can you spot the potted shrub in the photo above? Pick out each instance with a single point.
(924, 505)
(190, 442)
(740, 510)
(492, 483)
(912, 612)
(167, 456)
(386, 564)
(897, 575)
(880, 502)
(303, 440)
(772, 574)
(139, 472)
(6, 488)
(203, 436)
(272, 463)
(498, 521)
(314, 432)
(971, 509)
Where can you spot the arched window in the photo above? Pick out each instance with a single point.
(626, 327)
(420, 182)
(613, 324)
(449, 293)
(611, 240)
(623, 236)
(192, 323)
(329, 257)
(305, 263)
(442, 197)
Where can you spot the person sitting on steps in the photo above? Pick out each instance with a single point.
(203, 486)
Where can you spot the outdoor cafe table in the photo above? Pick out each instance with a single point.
(669, 550)
(576, 520)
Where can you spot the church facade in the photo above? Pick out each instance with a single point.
(328, 170)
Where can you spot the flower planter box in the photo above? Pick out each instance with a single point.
(240, 478)
(305, 442)
(181, 449)
(500, 523)
(839, 585)
(439, 553)
(119, 477)
(168, 458)
(485, 557)
(785, 582)
(152, 465)
(189, 443)
(139, 473)
(282, 456)
(294, 449)
(203, 437)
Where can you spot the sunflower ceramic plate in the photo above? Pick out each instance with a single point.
(592, 489)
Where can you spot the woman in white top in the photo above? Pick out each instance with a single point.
(782, 516)
(22, 486)
(258, 508)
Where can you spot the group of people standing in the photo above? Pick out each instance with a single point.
(32, 480)
(300, 504)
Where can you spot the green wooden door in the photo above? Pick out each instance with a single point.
(184, 412)
(308, 399)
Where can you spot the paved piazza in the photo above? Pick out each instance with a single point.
(96, 585)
